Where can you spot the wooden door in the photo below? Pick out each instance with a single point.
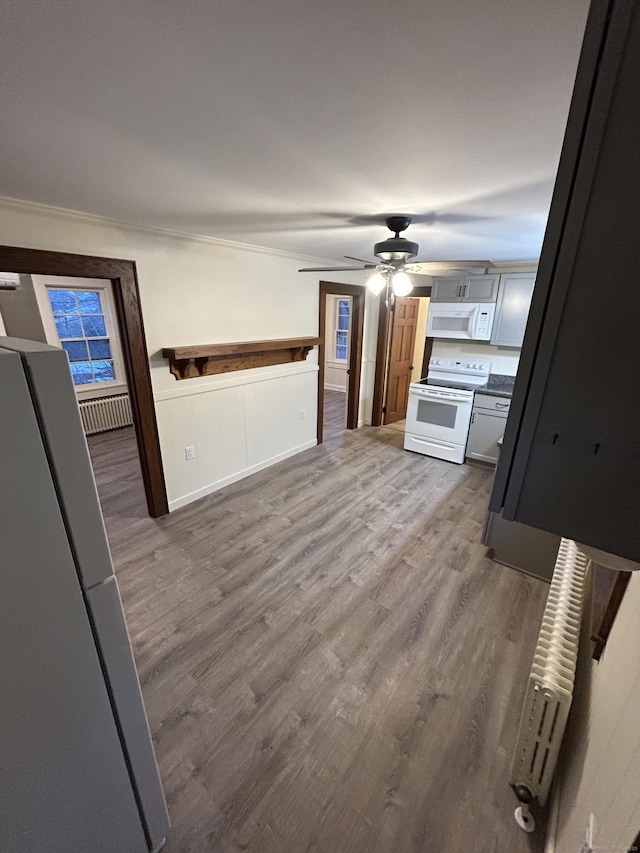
(403, 339)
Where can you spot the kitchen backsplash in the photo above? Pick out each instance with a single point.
(502, 360)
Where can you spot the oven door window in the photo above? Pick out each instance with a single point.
(437, 414)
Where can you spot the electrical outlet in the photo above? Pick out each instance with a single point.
(190, 452)
(303, 414)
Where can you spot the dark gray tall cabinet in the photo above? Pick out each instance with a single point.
(570, 463)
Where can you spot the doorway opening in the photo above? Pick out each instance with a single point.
(341, 327)
(402, 354)
(116, 361)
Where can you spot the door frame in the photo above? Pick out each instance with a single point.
(123, 277)
(357, 294)
(383, 351)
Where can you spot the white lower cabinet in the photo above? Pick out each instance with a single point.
(488, 422)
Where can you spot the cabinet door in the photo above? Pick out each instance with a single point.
(486, 430)
(480, 288)
(512, 310)
(446, 288)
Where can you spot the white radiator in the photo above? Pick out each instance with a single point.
(105, 413)
(550, 687)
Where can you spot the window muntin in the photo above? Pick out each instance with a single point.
(81, 325)
(342, 328)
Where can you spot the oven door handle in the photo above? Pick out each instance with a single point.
(442, 398)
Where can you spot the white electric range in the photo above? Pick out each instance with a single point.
(439, 408)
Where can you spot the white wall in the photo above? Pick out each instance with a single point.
(601, 772)
(200, 291)
(503, 360)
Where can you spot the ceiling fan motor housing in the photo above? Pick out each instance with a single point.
(396, 249)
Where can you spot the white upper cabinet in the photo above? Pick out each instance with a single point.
(472, 288)
(480, 288)
(446, 288)
(512, 310)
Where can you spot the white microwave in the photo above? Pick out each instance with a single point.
(470, 321)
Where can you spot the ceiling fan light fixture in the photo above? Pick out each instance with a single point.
(376, 283)
(401, 284)
(396, 249)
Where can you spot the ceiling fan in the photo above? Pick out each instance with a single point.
(391, 270)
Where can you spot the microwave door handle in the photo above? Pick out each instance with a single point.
(474, 319)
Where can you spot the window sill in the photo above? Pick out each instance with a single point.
(94, 393)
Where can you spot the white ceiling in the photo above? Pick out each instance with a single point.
(286, 123)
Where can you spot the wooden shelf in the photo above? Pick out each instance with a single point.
(209, 359)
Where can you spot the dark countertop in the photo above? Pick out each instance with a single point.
(498, 384)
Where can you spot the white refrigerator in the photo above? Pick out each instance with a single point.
(78, 771)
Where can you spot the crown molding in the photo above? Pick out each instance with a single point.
(38, 207)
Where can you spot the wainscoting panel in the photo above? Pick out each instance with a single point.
(235, 426)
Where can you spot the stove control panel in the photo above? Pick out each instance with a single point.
(462, 366)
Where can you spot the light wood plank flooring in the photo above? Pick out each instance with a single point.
(335, 415)
(330, 663)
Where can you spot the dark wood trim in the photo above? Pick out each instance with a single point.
(122, 274)
(193, 361)
(357, 294)
(426, 356)
(602, 621)
(421, 290)
(355, 358)
(382, 352)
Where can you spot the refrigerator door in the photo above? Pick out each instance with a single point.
(52, 389)
(105, 608)
(64, 784)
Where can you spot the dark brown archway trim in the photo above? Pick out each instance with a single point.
(125, 288)
(382, 352)
(357, 294)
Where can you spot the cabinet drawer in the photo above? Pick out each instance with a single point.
(492, 403)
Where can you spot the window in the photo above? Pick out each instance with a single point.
(81, 327)
(342, 324)
(79, 316)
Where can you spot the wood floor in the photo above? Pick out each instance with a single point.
(329, 662)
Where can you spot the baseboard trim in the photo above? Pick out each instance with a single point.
(239, 475)
(335, 388)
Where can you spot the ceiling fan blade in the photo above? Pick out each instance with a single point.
(461, 265)
(369, 264)
(332, 269)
